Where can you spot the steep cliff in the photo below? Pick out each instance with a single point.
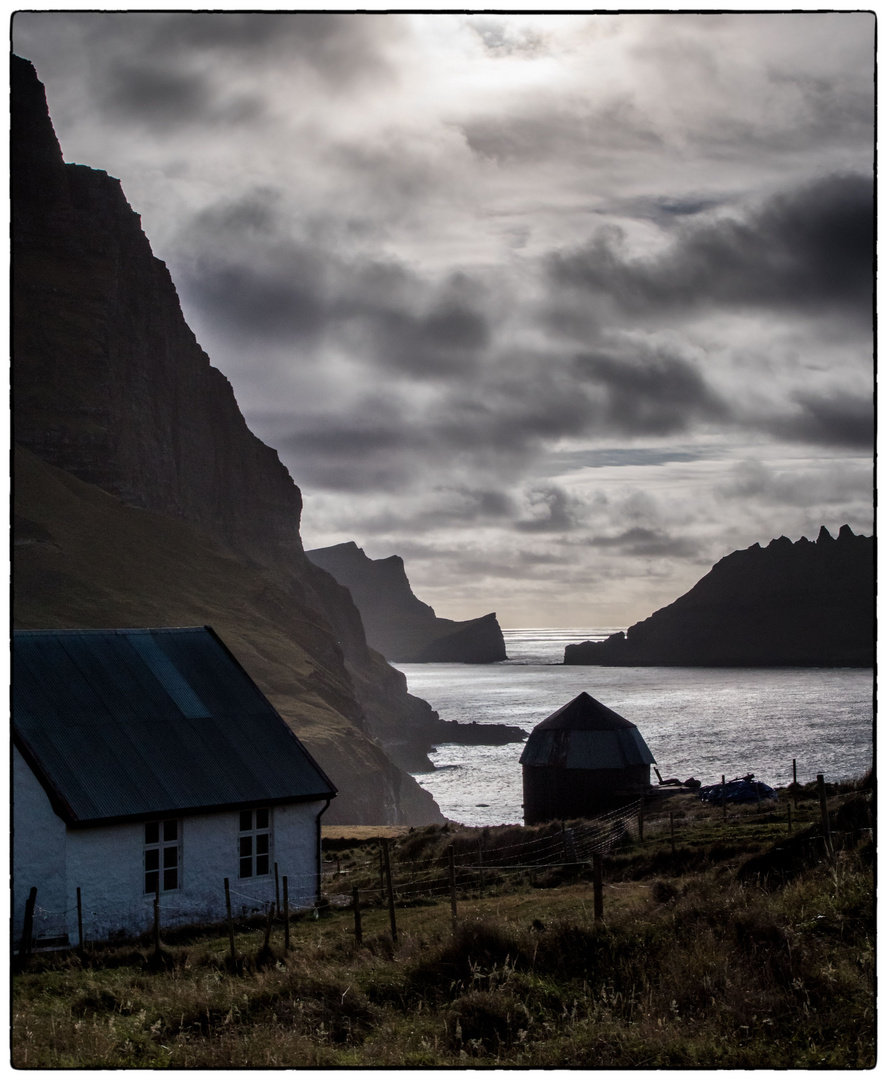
(110, 386)
(397, 623)
(807, 604)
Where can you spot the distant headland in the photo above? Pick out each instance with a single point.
(803, 604)
(397, 624)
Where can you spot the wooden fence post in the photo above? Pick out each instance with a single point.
(598, 878)
(24, 949)
(387, 862)
(80, 942)
(724, 795)
(277, 888)
(381, 870)
(452, 861)
(355, 903)
(157, 919)
(267, 943)
(795, 781)
(286, 914)
(823, 810)
(230, 921)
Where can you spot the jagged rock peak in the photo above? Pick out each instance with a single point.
(802, 604)
(34, 141)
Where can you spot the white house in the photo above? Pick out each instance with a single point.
(148, 760)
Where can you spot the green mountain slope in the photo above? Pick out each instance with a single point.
(83, 559)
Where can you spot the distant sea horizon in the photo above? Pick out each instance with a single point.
(699, 722)
(545, 645)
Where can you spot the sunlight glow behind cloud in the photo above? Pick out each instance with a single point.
(561, 308)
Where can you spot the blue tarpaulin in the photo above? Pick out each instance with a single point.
(741, 790)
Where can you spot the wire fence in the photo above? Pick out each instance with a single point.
(471, 864)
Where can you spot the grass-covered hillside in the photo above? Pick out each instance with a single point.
(84, 559)
(723, 944)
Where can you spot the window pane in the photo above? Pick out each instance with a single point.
(262, 864)
(151, 880)
(263, 845)
(170, 857)
(152, 859)
(246, 820)
(171, 829)
(246, 867)
(152, 832)
(246, 846)
(171, 879)
(262, 819)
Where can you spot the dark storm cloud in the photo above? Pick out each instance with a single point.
(339, 48)
(486, 429)
(830, 109)
(445, 341)
(166, 70)
(823, 483)
(808, 249)
(354, 455)
(157, 97)
(265, 274)
(624, 457)
(649, 542)
(554, 511)
(493, 425)
(442, 508)
(258, 304)
(614, 128)
(836, 420)
(651, 394)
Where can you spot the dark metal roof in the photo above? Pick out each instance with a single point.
(584, 734)
(136, 723)
(585, 713)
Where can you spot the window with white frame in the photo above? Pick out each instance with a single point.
(163, 863)
(255, 843)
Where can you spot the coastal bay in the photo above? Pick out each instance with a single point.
(701, 722)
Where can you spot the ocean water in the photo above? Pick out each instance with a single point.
(701, 722)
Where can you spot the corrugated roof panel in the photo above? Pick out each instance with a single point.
(168, 675)
(119, 677)
(556, 747)
(73, 695)
(106, 721)
(582, 750)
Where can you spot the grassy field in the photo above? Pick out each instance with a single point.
(741, 946)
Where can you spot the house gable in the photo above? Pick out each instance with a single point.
(128, 724)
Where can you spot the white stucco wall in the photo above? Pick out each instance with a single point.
(38, 853)
(107, 863)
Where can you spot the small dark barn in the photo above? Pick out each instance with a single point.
(583, 760)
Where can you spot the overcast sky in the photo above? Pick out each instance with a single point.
(562, 309)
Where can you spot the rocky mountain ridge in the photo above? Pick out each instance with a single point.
(803, 604)
(140, 491)
(399, 625)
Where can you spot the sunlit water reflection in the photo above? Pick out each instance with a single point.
(701, 722)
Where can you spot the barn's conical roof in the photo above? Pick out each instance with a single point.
(584, 734)
(584, 713)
